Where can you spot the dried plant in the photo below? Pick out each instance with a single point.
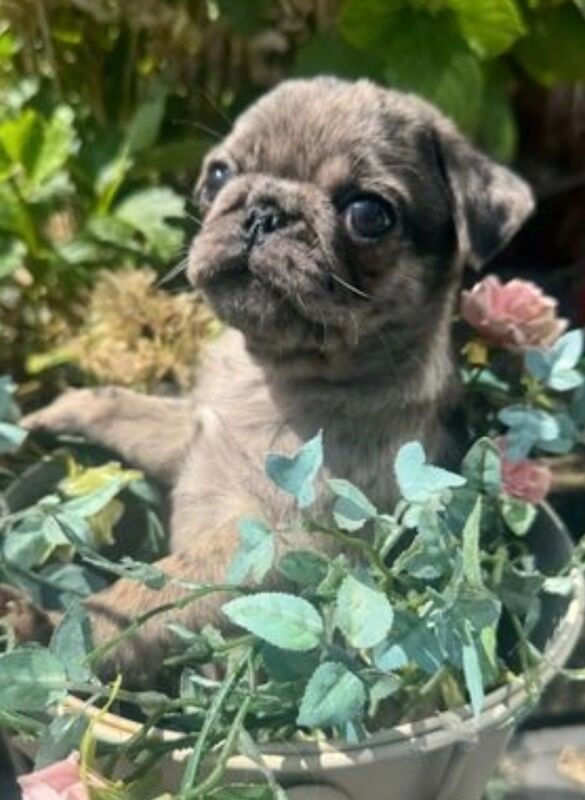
(138, 335)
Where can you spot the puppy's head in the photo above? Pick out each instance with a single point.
(335, 210)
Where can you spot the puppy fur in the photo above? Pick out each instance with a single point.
(325, 332)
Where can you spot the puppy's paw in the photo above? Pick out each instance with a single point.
(70, 413)
(27, 622)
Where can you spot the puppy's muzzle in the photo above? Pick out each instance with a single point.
(261, 220)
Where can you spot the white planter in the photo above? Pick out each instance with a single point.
(446, 757)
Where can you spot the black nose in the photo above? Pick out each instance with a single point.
(263, 220)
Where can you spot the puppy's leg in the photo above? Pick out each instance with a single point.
(151, 432)
(140, 657)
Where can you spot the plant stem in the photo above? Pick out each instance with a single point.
(216, 773)
(99, 652)
(358, 544)
(195, 759)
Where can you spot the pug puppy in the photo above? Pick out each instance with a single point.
(337, 220)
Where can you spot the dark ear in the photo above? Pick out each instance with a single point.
(490, 203)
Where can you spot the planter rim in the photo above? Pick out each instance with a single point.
(500, 708)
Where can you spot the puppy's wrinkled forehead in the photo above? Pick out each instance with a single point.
(325, 131)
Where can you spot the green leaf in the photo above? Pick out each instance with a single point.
(246, 18)
(15, 218)
(417, 480)
(461, 605)
(518, 589)
(69, 581)
(62, 737)
(279, 619)
(72, 641)
(497, 131)
(556, 366)
(472, 672)
(364, 615)
(333, 696)
(426, 54)
(490, 26)
(12, 253)
(144, 127)
(368, 24)
(412, 639)
(554, 52)
(296, 474)
(34, 540)
(21, 139)
(304, 567)
(471, 547)
(147, 211)
(518, 514)
(57, 145)
(528, 427)
(577, 407)
(329, 54)
(31, 678)
(351, 509)
(11, 437)
(425, 559)
(114, 232)
(482, 466)
(384, 687)
(255, 554)
(285, 667)
(86, 505)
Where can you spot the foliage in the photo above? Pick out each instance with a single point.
(68, 206)
(408, 619)
(107, 105)
(530, 396)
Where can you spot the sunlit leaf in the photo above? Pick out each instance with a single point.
(351, 509)
(417, 480)
(255, 553)
(296, 474)
(482, 466)
(31, 679)
(279, 619)
(364, 615)
(333, 696)
(72, 641)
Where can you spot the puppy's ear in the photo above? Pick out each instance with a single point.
(490, 203)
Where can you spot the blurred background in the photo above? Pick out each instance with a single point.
(106, 107)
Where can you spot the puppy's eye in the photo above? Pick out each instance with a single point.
(218, 175)
(369, 217)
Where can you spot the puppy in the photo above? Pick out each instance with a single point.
(338, 218)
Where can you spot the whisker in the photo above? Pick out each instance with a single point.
(214, 105)
(179, 268)
(217, 135)
(349, 286)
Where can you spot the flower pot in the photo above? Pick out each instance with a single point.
(449, 756)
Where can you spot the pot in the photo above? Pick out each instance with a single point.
(449, 756)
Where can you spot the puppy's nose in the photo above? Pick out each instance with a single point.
(262, 220)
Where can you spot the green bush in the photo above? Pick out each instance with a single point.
(107, 107)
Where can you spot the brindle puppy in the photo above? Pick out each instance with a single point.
(338, 218)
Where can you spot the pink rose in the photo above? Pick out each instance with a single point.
(525, 479)
(516, 315)
(59, 781)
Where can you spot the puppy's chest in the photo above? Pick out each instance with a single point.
(225, 469)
